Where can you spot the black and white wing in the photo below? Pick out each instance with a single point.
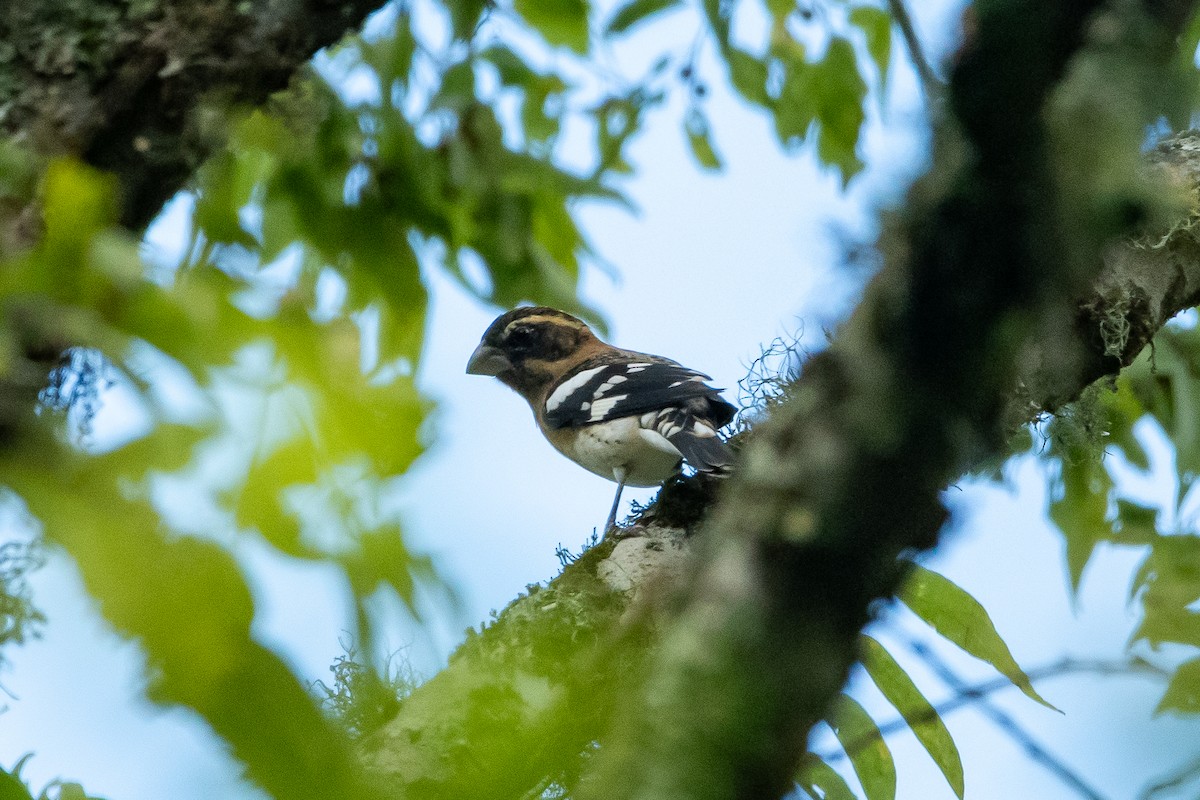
(666, 397)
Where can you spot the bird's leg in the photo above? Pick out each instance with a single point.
(619, 474)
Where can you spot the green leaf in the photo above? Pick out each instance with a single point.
(1081, 509)
(821, 781)
(839, 91)
(795, 107)
(560, 22)
(864, 744)
(188, 604)
(748, 75)
(458, 87)
(510, 67)
(11, 788)
(695, 124)
(1136, 523)
(464, 17)
(876, 25)
(717, 14)
(959, 617)
(921, 717)
(1171, 578)
(635, 13)
(1183, 693)
(1123, 409)
(1161, 625)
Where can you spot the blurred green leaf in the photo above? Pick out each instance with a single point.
(188, 604)
(635, 13)
(876, 25)
(1183, 693)
(1123, 409)
(1136, 524)
(959, 618)
(921, 717)
(839, 91)
(391, 56)
(863, 742)
(465, 16)
(748, 75)
(699, 137)
(1169, 581)
(561, 22)
(1081, 508)
(11, 788)
(820, 780)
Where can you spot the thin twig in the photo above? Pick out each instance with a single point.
(1013, 729)
(970, 695)
(1176, 779)
(930, 82)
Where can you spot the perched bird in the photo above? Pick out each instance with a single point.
(626, 416)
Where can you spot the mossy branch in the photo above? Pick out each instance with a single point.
(130, 87)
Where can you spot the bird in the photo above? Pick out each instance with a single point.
(630, 417)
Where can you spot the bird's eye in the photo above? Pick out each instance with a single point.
(521, 337)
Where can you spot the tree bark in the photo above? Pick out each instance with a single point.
(131, 87)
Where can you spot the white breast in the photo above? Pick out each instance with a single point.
(646, 455)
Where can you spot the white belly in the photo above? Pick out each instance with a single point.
(646, 455)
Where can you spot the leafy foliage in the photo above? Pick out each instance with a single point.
(1107, 427)
(20, 620)
(960, 619)
(13, 787)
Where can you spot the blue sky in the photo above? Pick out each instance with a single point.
(711, 268)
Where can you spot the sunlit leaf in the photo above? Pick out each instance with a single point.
(1122, 410)
(863, 742)
(960, 618)
(921, 717)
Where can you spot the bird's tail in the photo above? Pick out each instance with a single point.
(695, 439)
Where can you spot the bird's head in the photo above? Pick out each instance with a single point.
(527, 347)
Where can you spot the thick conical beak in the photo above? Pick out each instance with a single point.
(487, 360)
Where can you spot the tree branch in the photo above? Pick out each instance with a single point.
(131, 87)
(931, 84)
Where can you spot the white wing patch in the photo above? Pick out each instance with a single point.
(607, 385)
(570, 386)
(601, 407)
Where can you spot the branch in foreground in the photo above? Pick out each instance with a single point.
(129, 87)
